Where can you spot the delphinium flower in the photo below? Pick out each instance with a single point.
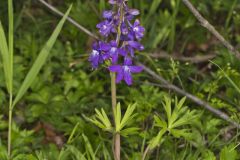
(127, 32)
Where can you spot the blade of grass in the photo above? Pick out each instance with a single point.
(5, 57)
(41, 59)
(10, 43)
(10, 72)
(152, 10)
(88, 146)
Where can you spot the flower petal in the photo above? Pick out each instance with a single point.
(136, 23)
(115, 68)
(135, 45)
(104, 46)
(127, 77)
(122, 51)
(127, 61)
(134, 12)
(107, 14)
(135, 69)
(119, 76)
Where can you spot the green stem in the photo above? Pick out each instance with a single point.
(9, 127)
(117, 142)
(113, 90)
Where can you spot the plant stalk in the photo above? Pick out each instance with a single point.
(117, 141)
(9, 127)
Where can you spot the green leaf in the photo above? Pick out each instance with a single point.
(153, 8)
(41, 59)
(128, 116)
(228, 153)
(129, 131)
(10, 42)
(156, 140)
(5, 58)
(208, 155)
(88, 147)
(187, 118)
(180, 133)
(106, 120)
(159, 122)
(76, 152)
(101, 120)
(118, 117)
(180, 103)
(167, 107)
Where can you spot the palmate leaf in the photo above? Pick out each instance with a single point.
(187, 118)
(41, 59)
(128, 116)
(167, 107)
(104, 118)
(101, 120)
(179, 117)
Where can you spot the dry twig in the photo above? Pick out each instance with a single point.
(72, 21)
(174, 56)
(211, 29)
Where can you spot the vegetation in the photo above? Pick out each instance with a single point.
(183, 106)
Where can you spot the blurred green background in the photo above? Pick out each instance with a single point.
(67, 89)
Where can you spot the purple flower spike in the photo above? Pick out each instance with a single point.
(125, 72)
(119, 24)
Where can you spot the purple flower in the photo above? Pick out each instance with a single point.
(96, 57)
(138, 30)
(116, 1)
(133, 12)
(135, 45)
(124, 29)
(130, 13)
(125, 72)
(105, 28)
(108, 14)
(131, 45)
(113, 52)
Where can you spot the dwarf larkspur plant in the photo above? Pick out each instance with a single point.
(121, 25)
